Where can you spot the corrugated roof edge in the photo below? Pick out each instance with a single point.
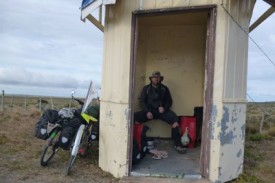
(86, 3)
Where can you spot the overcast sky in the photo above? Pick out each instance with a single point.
(45, 49)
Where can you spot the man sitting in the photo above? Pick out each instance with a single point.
(156, 101)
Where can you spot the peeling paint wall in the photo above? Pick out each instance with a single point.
(227, 142)
(229, 91)
(232, 136)
(113, 138)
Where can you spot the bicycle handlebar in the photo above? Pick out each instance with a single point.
(79, 101)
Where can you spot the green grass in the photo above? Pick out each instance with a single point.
(271, 131)
(246, 178)
(3, 139)
(250, 154)
(259, 137)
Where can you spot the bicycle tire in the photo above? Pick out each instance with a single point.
(84, 145)
(75, 147)
(49, 149)
(70, 165)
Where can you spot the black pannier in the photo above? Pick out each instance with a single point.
(49, 116)
(68, 132)
(139, 143)
(136, 156)
(198, 113)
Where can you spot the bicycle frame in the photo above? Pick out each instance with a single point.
(87, 123)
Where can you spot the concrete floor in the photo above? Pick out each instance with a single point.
(159, 180)
(175, 166)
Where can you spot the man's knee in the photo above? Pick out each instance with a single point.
(175, 125)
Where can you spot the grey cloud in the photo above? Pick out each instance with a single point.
(23, 77)
(44, 44)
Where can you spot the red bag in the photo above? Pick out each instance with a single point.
(190, 123)
(140, 137)
(138, 128)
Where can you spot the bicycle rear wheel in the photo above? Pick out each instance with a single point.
(75, 147)
(49, 148)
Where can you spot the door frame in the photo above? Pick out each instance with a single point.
(208, 79)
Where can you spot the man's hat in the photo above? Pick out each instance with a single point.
(156, 74)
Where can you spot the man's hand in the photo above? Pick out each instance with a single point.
(174, 125)
(161, 109)
(149, 115)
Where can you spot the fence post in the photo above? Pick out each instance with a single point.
(40, 104)
(2, 106)
(262, 123)
(52, 102)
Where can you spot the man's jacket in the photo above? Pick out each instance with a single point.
(151, 98)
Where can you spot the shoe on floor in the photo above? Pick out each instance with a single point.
(180, 149)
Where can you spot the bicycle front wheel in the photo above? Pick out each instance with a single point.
(49, 148)
(75, 147)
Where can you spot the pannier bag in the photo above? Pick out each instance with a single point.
(93, 110)
(66, 113)
(136, 153)
(188, 124)
(139, 143)
(198, 113)
(68, 132)
(49, 116)
(94, 132)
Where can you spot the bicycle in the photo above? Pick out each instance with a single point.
(81, 142)
(51, 146)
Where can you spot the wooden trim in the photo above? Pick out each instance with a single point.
(262, 18)
(90, 8)
(208, 95)
(271, 2)
(177, 10)
(134, 42)
(95, 22)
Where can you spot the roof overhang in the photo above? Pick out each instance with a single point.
(264, 16)
(271, 2)
(89, 6)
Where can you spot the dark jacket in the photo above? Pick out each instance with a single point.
(151, 98)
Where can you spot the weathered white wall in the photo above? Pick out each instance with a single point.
(232, 136)
(114, 120)
(229, 85)
(229, 92)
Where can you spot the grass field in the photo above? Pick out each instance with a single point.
(20, 154)
(259, 161)
(20, 150)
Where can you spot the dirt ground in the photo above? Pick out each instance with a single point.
(20, 155)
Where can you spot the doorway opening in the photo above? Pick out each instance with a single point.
(179, 43)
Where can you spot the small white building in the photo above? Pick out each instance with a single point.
(201, 48)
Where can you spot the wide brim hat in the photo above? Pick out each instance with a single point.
(156, 74)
